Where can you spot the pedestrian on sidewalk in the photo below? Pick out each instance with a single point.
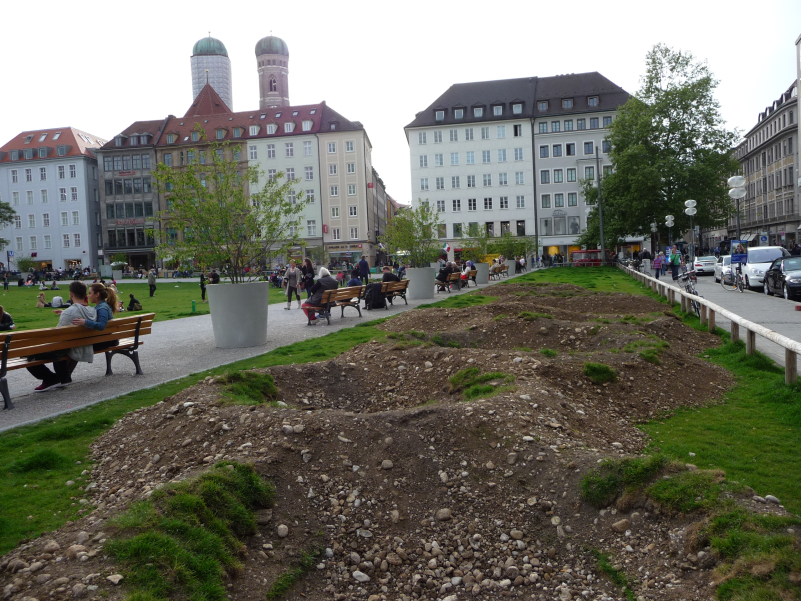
(151, 281)
(292, 279)
(307, 272)
(658, 264)
(203, 286)
(364, 270)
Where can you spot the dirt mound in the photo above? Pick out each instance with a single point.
(441, 462)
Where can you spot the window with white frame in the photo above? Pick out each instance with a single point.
(501, 155)
(311, 227)
(45, 219)
(254, 154)
(348, 146)
(471, 204)
(497, 110)
(307, 148)
(423, 160)
(438, 137)
(457, 205)
(332, 169)
(290, 173)
(421, 137)
(471, 181)
(332, 147)
(33, 242)
(454, 134)
(350, 167)
(63, 194)
(310, 196)
(517, 109)
(485, 156)
(47, 242)
(270, 151)
(487, 204)
(439, 115)
(307, 125)
(65, 220)
(503, 202)
(335, 233)
(334, 191)
(31, 221)
(354, 233)
(518, 131)
(19, 243)
(520, 178)
(502, 181)
(43, 173)
(440, 206)
(458, 114)
(293, 230)
(76, 240)
(271, 128)
(73, 172)
(439, 183)
(521, 201)
(351, 189)
(454, 181)
(15, 198)
(29, 196)
(468, 134)
(487, 177)
(271, 173)
(28, 175)
(65, 240)
(470, 157)
(423, 183)
(485, 133)
(309, 173)
(290, 149)
(254, 130)
(76, 218)
(334, 212)
(501, 131)
(454, 158)
(14, 176)
(518, 154)
(292, 197)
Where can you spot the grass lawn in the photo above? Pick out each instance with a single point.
(172, 300)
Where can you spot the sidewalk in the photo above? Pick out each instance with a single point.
(175, 349)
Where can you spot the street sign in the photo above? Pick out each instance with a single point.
(763, 238)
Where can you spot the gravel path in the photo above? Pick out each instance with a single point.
(175, 349)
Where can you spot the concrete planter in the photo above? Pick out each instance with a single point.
(482, 273)
(116, 274)
(239, 314)
(421, 282)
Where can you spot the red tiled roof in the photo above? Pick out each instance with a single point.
(77, 141)
(151, 128)
(208, 102)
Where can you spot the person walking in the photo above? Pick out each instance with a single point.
(658, 264)
(203, 280)
(675, 262)
(364, 270)
(307, 272)
(5, 281)
(292, 279)
(151, 281)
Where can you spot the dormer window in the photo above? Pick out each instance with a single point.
(237, 132)
(118, 141)
(497, 110)
(567, 103)
(592, 101)
(220, 134)
(458, 113)
(289, 127)
(15, 155)
(134, 140)
(333, 126)
(517, 108)
(307, 125)
(254, 130)
(542, 105)
(170, 138)
(43, 153)
(194, 135)
(143, 138)
(271, 128)
(478, 112)
(439, 115)
(28, 153)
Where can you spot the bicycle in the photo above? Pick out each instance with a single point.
(736, 282)
(688, 280)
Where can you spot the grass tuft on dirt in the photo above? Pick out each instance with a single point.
(473, 384)
(460, 302)
(598, 373)
(688, 491)
(287, 580)
(531, 315)
(601, 486)
(618, 577)
(440, 341)
(249, 388)
(549, 352)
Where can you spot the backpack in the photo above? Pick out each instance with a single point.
(373, 299)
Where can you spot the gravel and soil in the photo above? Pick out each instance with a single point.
(410, 490)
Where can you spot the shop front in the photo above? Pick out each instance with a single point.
(343, 254)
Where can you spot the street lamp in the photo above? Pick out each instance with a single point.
(737, 191)
(691, 210)
(669, 223)
(654, 230)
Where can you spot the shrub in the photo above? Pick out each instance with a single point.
(598, 373)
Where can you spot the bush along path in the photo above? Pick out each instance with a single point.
(457, 451)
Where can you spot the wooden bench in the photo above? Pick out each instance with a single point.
(19, 347)
(392, 289)
(503, 271)
(337, 297)
(453, 278)
(472, 277)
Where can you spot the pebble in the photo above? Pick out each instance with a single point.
(621, 526)
(772, 499)
(387, 464)
(79, 590)
(617, 445)
(516, 534)
(73, 551)
(114, 578)
(511, 458)
(556, 520)
(361, 576)
(443, 515)
(429, 365)
(282, 530)
(51, 546)
(36, 566)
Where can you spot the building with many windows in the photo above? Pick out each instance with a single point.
(211, 65)
(769, 213)
(510, 155)
(50, 178)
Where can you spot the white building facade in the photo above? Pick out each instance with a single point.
(50, 178)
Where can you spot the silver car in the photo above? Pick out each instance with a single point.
(758, 262)
(704, 265)
(723, 269)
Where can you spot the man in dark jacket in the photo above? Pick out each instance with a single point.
(364, 270)
(389, 276)
(324, 282)
(443, 274)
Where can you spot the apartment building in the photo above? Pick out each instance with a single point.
(50, 178)
(510, 155)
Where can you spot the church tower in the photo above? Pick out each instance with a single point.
(210, 63)
(272, 60)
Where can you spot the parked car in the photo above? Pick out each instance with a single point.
(757, 263)
(723, 269)
(783, 277)
(705, 265)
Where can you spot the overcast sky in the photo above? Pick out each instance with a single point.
(101, 66)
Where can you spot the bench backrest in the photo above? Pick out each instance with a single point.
(395, 286)
(342, 294)
(454, 277)
(473, 273)
(504, 268)
(32, 342)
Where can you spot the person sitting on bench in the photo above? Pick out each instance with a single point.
(388, 275)
(355, 279)
(443, 274)
(6, 321)
(62, 374)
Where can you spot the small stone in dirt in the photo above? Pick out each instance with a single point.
(73, 551)
(82, 537)
(36, 566)
(691, 454)
(395, 515)
(490, 465)
(617, 445)
(516, 534)
(114, 578)
(525, 397)
(556, 520)
(511, 458)
(264, 516)
(772, 499)
(518, 359)
(298, 428)
(79, 590)
(51, 546)
(282, 530)
(387, 464)
(429, 365)
(621, 526)
(443, 515)
(287, 429)
(361, 576)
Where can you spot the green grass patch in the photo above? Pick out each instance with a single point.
(461, 301)
(602, 485)
(182, 541)
(288, 579)
(473, 384)
(531, 316)
(618, 577)
(500, 317)
(440, 341)
(598, 373)
(549, 352)
(688, 491)
(525, 349)
(37, 501)
(599, 279)
(249, 387)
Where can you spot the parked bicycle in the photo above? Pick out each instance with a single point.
(688, 279)
(735, 281)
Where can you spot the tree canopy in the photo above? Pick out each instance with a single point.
(414, 232)
(668, 145)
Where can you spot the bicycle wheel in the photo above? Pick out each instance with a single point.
(729, 285)
(696, 307)
(740, 284)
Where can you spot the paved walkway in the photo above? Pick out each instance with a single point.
(175, 349)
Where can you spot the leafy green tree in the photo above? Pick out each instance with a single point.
(668, 144)
(413, 233)
(26, 263)
(7, 214)
(478, 244)
(226, 214)
(318, 255)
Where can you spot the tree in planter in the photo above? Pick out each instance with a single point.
(119, 260)
(215, 219)
(413, 232)
(478, 243)
(26, 263)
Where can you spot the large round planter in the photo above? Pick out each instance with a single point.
(482, 273)
(421, 282)
(239, 314)
(116, 274)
